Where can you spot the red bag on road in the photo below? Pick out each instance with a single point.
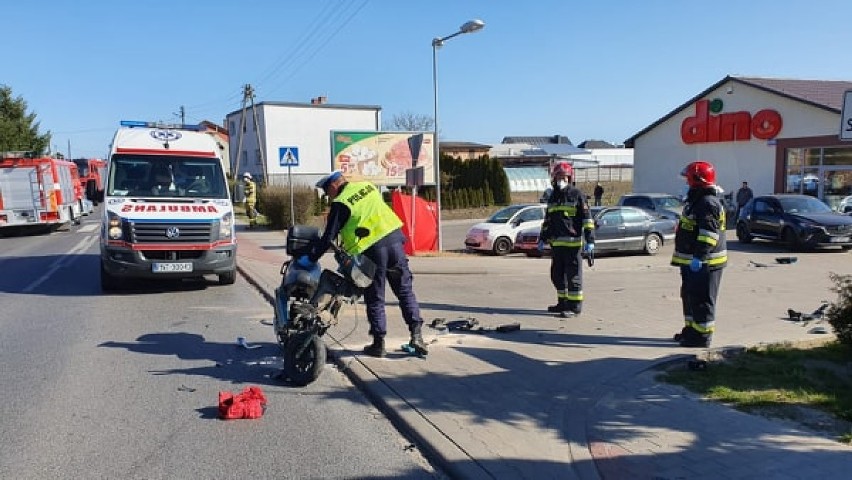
(250, 403)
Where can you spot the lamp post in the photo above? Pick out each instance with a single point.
(468, 27)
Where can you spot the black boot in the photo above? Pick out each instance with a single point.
(690, 338)
(377, 348)
(558, 308)
(416, 342)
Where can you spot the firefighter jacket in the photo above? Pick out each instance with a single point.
(251, 192)
(701, 230)
(567, 220)
(367, 209)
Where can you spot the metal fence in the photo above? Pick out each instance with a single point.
(604, 174)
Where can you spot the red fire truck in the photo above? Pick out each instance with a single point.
(92, 175)
(38, 191)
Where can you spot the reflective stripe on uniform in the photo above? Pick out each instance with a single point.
(703, 328)
(708, 237)
(567, 210)
(575, 296)
(712, 259)
(566, 242)
(588, 224)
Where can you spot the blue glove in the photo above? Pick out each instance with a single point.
(589, 247)
(305, 262)
(696, 264)
(541, 245)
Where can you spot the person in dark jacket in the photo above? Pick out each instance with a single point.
(744, 194)
(360, 204)
(701, 253)
(568, 228)
(599, 191)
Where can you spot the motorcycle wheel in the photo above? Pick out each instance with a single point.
(304, 358)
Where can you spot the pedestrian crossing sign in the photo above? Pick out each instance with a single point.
(288, 156)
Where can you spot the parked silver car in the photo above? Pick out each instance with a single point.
(617, 229)
(659, 204)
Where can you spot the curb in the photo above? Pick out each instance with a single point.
(441, 450)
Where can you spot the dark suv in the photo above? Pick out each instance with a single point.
(799, 221)
(662, 205)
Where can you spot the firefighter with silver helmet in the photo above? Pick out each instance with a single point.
(701, 253)
(569, 229)
(251, 198)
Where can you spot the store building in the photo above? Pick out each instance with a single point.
(779, 135)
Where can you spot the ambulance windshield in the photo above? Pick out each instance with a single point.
(173, 177)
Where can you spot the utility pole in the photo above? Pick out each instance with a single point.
(182, 114)
(248, 99)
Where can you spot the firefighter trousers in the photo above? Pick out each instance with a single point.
(566, 273)
(698, 292)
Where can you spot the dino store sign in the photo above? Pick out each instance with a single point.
(704, 127)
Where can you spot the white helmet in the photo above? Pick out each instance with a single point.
(247, 175)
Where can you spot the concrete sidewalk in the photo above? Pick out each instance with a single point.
(575, 398)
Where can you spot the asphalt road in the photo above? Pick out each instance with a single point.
(126, 385)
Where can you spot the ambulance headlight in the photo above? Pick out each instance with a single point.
(114, 231)
(226, 226)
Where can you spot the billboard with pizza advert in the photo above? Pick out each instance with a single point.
(380, 157)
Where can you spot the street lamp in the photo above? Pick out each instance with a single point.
(468, 27)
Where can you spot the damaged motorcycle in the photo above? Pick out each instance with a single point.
(309, 300)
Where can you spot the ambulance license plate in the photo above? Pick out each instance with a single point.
(171, 267)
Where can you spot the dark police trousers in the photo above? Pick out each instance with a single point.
(698, 292)
(566, 273)
(391, 264)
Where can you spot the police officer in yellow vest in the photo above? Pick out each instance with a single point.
(701, 253)
(360, 204)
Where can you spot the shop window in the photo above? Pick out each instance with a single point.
(837, 156)
(806, 181)
(811, 157)
(795, 158)
(837, 185)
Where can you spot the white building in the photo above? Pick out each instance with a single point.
(302, 129)
(771, 133)
(527, 165)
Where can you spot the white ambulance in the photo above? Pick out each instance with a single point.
(167, 208)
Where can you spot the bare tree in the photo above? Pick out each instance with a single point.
(410, 122)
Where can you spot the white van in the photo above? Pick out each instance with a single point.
(168, 212)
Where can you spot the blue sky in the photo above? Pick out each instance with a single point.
(585, 69)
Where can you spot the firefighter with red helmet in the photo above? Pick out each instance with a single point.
(700, 252)
(568, 228)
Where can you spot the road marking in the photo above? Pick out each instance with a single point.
(91, 227)
(81, 246)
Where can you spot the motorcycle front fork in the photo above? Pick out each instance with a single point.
(282, 314)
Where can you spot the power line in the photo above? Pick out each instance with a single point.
(296, 69)
(305, 37)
